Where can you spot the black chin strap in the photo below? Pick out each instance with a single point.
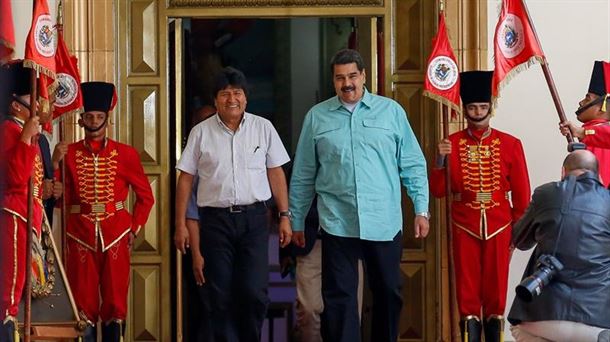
(589, 105)
(95, 129)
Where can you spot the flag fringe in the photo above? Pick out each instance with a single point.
(33, 65)
(515, 70)
(443, 100)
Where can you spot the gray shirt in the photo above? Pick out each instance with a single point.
(232, 166)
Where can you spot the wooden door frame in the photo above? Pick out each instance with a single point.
(95, 32)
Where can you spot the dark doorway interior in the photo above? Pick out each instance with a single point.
(286, 62)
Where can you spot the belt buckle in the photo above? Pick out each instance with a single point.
(235, 209)
(98, 208)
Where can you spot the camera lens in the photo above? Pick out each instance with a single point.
(529, 288)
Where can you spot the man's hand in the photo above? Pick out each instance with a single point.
(422, 227)
(58, 153)
(444, 147)
(568, 127)
(298, 239)
(58, 189)
(47, 188)
(30, 130)
(131, 239)
(198, 264)
(182, 238)
(285, 231)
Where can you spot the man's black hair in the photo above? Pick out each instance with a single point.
(347, 56)
(230, 76)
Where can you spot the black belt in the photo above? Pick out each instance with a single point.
(236, 209)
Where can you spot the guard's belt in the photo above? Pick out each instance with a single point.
(481, 197)
(97, 208)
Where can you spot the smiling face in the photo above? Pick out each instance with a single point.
(230, 103)
(349, 82)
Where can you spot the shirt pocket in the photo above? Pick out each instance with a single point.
(257, 159)
(378, 134)
(332, 141)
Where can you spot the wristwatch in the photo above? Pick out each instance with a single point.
(424, 214)
(286, 213)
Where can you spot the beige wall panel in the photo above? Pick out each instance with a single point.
(408, 21)
(412, 317)
(104, 38)
(143, 108)
(148, 239)
(101, 66)
(145, 286)
(143, 36)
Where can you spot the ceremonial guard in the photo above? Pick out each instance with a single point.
(21, 159)
(488, 172)
(100, 230)
(593, 111)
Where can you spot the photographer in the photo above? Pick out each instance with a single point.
(569, 221)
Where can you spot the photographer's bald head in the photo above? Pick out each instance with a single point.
(579, 162)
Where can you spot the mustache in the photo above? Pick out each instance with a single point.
(348, 88)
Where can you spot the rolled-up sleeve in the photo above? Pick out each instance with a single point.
(302, 182)
(412, 165)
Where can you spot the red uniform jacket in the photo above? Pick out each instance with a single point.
(97, 186)
(484, 174)
(19, 161)
(597, 139)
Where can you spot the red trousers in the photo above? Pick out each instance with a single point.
(481, 272)
(97, 275)
(12, 263)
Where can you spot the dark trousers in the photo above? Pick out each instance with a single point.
(235, 250)
(381, 260)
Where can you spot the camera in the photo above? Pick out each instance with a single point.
(547, 267)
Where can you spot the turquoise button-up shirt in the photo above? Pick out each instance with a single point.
(355, 162)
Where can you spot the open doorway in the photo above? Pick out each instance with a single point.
(286, 62)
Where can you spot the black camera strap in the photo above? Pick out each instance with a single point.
(565, 207)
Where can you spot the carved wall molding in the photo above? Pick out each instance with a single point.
(273, 3)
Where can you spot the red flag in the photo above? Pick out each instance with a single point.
(442, 81)
(516, 46)
(7, 32)
(68, 98)
(40, 43)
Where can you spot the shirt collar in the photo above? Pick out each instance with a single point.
(365, 100)
(17, 120)
(241, 124)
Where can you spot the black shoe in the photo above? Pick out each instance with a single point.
(604, 336)
(471, 329)
(494, 328)
(89, 335)
(113, 331)
(7, 331)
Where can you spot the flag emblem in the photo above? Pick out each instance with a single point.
(67, 90)
(45, 44)
(442, 72)
(511, 40)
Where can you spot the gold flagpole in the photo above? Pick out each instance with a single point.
(28, 245)
(453, 313)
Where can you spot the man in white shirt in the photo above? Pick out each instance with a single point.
(237, 157)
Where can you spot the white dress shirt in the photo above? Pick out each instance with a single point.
(232, 166)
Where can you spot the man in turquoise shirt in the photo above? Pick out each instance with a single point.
(354, 151)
